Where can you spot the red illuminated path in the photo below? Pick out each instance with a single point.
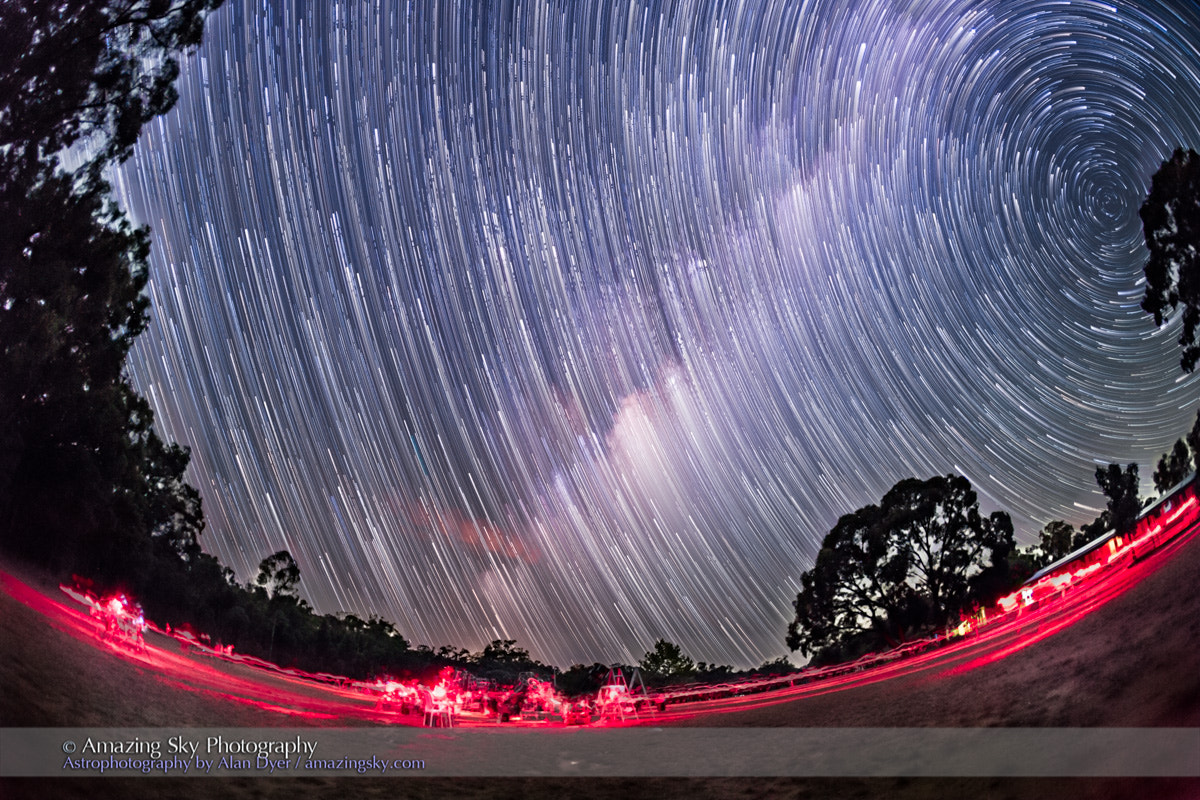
(293, 700)
(296, 701)
(997, 642)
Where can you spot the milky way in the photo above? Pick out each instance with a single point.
(580, 323)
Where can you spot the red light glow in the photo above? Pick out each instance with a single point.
(189, 663)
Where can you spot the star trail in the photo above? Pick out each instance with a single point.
(581, 322)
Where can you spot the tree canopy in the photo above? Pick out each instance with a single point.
(85, 482)
(279, 575)
(903, 566)
(1193, 436)
(666, 660)
(1176, 465)
(90, 72)
(504, 650)
(1056, 540)
(1173, 467)
(1171, 225)
(1121, 489)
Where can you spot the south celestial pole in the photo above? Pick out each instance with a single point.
(581, 323)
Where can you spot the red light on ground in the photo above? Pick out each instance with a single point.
(297, 694)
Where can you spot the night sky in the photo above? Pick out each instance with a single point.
(581, 322)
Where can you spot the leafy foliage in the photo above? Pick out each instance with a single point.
(279, 575)
(1171, 225)
(501, 660)
(666, 660)
(202, 594)
(90, 72)
(1173, 467)
(1193, 437)
(85, 482)
(1121, 489)
(505, 650)
(887, 571)
(1056, 540)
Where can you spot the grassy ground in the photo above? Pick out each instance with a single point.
(1132, 663)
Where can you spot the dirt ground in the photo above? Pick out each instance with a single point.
(1132, 663)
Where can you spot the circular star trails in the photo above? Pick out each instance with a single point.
(581, 322)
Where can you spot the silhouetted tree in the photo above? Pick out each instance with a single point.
(1193, 439)
(1121, 489)
(666, 660)
(1173, 467)
(83, 477)
(907, 564)
(1055, 541)
(781, 665)
(855, 586)
(1090, 531)
(1171, 224)
(71, 275)
(502, 661)
(504, 650)
(710, 672)
(582, 680)
(279, 575)
(90, 71)
(452, 653)
(937, 526)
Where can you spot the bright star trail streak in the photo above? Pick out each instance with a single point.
(581, 323)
